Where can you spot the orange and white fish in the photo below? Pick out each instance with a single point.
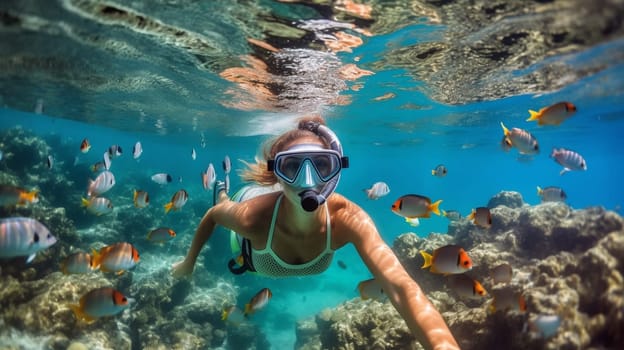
(371, 289)
(11, 196)
(568, 159)
(439, 171)
(377, 190)
(102, 183)
(98, 205)
(177, 201)
(260, 300)
(21, 236)
(501, 273)
(554, 114)
(99, 302)
(161, 235)
(77, 263)
(140, 199)
(521, 139)
(117, 258)
(466, 287)
(449, 259)
(233, 315)
(415, 206)
(481, 217)
(85, 146)
(507, 299)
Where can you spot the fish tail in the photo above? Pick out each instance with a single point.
(168, 207)
(80, 314)
(428, 259)
(505, 130)
(224, 314)
(96, 259)
(435, 207)
(444, 213)
(84, 202)
(134, 197)
(31, 196)
(247, 309)
(539, 190)
(534, 115)
(433, 172)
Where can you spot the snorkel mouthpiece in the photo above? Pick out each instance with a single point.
(310, 200)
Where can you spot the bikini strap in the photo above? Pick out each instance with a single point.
(273, 220)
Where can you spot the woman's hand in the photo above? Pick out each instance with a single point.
(182, 269)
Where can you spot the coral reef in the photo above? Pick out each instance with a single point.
(566, 262)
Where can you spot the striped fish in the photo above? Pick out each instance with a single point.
(568, 159)
(21, 236)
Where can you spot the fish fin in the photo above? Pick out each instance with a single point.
(84, 202)
(434, 207)
(26, 197)
(360, 288)
(505, 130)
(247, 309)
(31, 257)
(428, 259)
(96, 259)
(224, 315)
(433, 172)
(539, 190)
(168, 207)
(534, 116)
(77, 311)
(565, 170)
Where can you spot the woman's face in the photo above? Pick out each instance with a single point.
(290, 192)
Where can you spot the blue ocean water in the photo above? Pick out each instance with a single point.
(385, 142)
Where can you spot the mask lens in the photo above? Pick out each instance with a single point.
(327, 165)
(288, 166)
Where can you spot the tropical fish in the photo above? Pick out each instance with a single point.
(162, 178)
(466, 287)
(98, 166)
(114, 151)
(140, 199)
(209, 177)
(544, 326)
(377, 190)
(449, 259)
(21, 236)
(521, 139)
(507, 299)
(137, 150)
(107, 160)
(77, 263)
(501, 273)
(452, 215)
(98, 205)
(439, 171)
(85, 146)
(117, 257)
(177, 201)
(371, 289)
(258, 301)
(233, 315)
(99, 302)
(227, 164)
(193, 154)
(102, 183)
(413, 222)
(551, 194)
(50, 162)
(161, 235)
(481, 217)
(11, 196)
(568, 159)
(415, 206)
(554, 114)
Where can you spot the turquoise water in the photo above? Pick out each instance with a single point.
(385, 142)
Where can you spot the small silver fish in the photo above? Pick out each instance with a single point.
(551, 194)
(162, 178)
(193, 154)
(137, 150)
(377, 190)
(227, 164)
(568, 159)
(439, 171)
(50, 162)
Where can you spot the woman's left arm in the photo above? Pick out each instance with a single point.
(421, 317)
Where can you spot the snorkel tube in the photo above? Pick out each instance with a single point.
(310, 199)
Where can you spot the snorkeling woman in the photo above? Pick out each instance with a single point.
(290, 222)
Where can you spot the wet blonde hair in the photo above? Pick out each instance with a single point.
(257, 172)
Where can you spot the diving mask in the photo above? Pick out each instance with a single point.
(307, 165)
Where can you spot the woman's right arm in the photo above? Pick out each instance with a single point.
(227, 213)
